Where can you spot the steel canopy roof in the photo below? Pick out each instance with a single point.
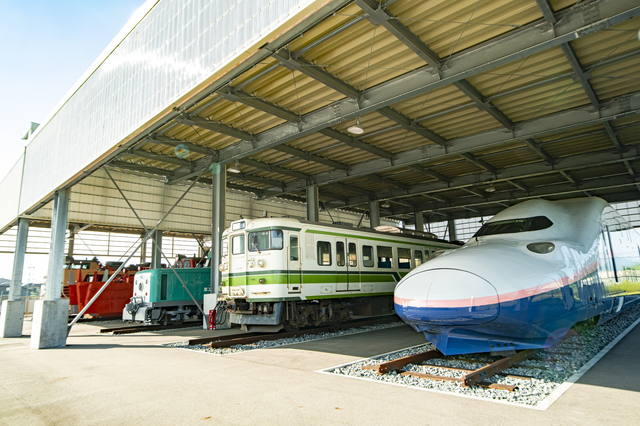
(528, 97)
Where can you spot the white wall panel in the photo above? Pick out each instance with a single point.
(174, 48)
(10, 194)
(95, 200)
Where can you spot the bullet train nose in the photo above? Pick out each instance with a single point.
(443, 297)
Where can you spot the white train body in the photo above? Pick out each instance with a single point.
(284, 271)
(531, 273)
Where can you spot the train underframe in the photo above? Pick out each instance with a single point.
(155, 313)
(296, 314)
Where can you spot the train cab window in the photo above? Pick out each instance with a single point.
(225, 248)
(367, 256)
(237, 244)
(417, 257)
(293, 248)
(514, 226)
(324, 253)
(353, 255)
(265, 240)
(340, 253)
(385, 257)
(404, 258)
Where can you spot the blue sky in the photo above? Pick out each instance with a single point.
(46, 46)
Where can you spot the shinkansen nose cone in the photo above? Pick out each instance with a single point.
(445, 297)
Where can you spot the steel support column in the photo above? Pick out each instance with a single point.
(419, 219)
(451, 223)
(218, 198)
(156, 250)
(12, 316)
(313, 203)
(56, 249)
(374, 213)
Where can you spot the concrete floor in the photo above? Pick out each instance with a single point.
(130, 379)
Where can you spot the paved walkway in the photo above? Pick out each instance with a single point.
(131, 379)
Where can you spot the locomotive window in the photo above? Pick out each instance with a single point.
(418, 257)
(385, 257)
(225, 248)
(514, 226)
(340, 253)
(367, 256)
(237, 244)
(324, 253)
(404, 258)
(353, 256)
(293, 248)
(163, 287)
(265, 240)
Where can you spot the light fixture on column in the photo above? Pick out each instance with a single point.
(356, 129)
(234, 168)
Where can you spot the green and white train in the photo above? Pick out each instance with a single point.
(284, 272)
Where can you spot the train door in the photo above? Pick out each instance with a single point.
(347, 273)
(294, 265)
(237, 265)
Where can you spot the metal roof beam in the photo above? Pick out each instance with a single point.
(543, 191)
(271, 168)
(515, 45)
(159, 157)
(195, 120)
(482, 103)
(141, 168)
(623, 106)
(356, 143)
(409, 124)
(533, 146)
(518, 172)
(253, 178)
(296, 63)
(388, 181)
(478, 162)
(311, 157)
(429, 172)
(233, 95)
(193, 147)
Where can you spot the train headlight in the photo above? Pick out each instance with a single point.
(223, 266)
(251, 263)
(261, 263)
(541, 248)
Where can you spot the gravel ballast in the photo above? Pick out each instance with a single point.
(549, 368)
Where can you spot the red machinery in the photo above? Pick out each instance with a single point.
(90, 276)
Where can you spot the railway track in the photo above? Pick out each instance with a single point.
(141, 328)
(471, 377)
(249, 338)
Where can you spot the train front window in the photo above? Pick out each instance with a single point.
(237, 244)
(266, 240)
(225, 248)
(514, 226)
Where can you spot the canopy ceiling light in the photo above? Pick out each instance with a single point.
(491, 188)
(356, 129)
(386, 205)
(234, 169)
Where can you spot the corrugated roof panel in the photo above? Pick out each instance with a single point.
(460, 123)
(617, 79)
(582, 145)
(543, 100)
(450, 27)
(458, 168)
(511, 158)
(433, 102)
(599, 172)
(571, 133)
(561, 4)
(499, 148)
(629, 134)
(532, 69)
(609, 43)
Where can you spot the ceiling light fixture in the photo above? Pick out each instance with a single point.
(356, 129)
(491, 188)
(234, 169)
(386, 205)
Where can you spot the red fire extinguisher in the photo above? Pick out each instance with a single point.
(212, 319)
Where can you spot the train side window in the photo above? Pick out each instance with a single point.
(353, 255)
(237, 244)
(163, 287)
(418, 257)
(367, 256)
(427, 254)
(324, 253)
(340, 253)
(404, 258)
(385, 257)
(293, 248)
